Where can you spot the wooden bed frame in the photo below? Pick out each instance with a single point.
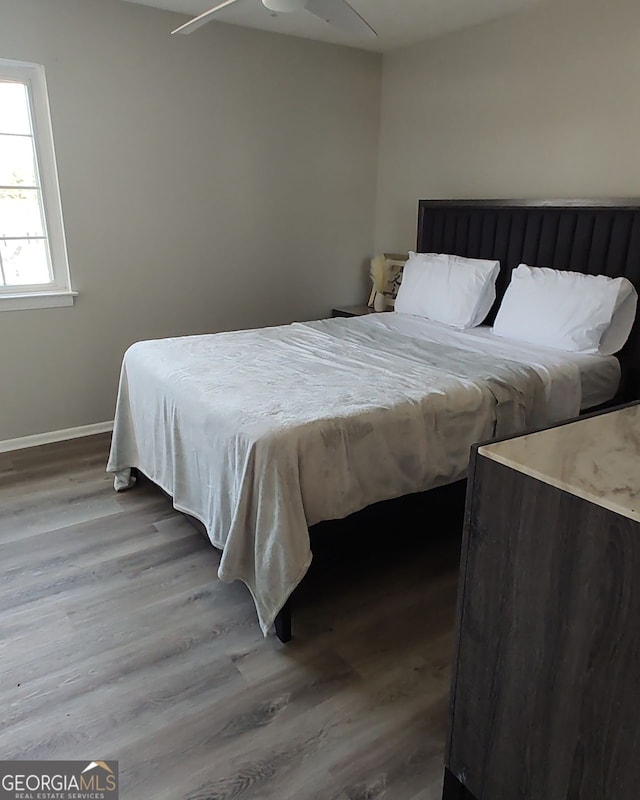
(588, 236)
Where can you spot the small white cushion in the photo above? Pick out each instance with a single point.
(563, 309)
(450, 289)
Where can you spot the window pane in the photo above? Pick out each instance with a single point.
(24, 262)
(14, 108)
(20, 213)
(17, 164)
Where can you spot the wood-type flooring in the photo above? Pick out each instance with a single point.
(118, 641)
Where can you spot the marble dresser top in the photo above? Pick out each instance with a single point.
(597, 459)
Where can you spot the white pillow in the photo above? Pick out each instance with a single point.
(563, 309)
(450, 289)
(616, 335)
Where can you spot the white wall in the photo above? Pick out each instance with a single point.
(210, 182)
(540, 104)
(228, 179)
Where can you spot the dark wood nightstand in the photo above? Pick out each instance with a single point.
(352, 311)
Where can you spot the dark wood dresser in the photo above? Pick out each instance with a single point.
(545, 699)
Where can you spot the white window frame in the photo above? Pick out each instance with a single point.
(58, 292)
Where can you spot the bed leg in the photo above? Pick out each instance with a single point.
(453, 789)
(283, 623)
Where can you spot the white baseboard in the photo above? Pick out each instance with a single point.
(21, 443)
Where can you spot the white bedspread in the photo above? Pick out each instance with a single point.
(260, 434)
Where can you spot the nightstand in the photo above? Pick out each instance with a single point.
(353, 311)
(544, 694)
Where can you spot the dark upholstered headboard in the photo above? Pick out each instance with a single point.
(595, 237)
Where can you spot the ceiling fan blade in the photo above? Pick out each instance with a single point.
(202, 19)
(342, 15)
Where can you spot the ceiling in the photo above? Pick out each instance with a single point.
(398, 22)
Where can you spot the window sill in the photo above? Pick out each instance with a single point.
(29, 300)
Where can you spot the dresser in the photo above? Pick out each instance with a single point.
(545, 696)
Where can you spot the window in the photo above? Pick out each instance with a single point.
(33, 259)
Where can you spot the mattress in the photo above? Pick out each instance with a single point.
(260, 434)
(599, 376)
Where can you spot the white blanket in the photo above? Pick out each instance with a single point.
(260, 434)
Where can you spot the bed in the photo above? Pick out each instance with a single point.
(261, 434)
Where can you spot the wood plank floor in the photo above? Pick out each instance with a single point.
(118, 641)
